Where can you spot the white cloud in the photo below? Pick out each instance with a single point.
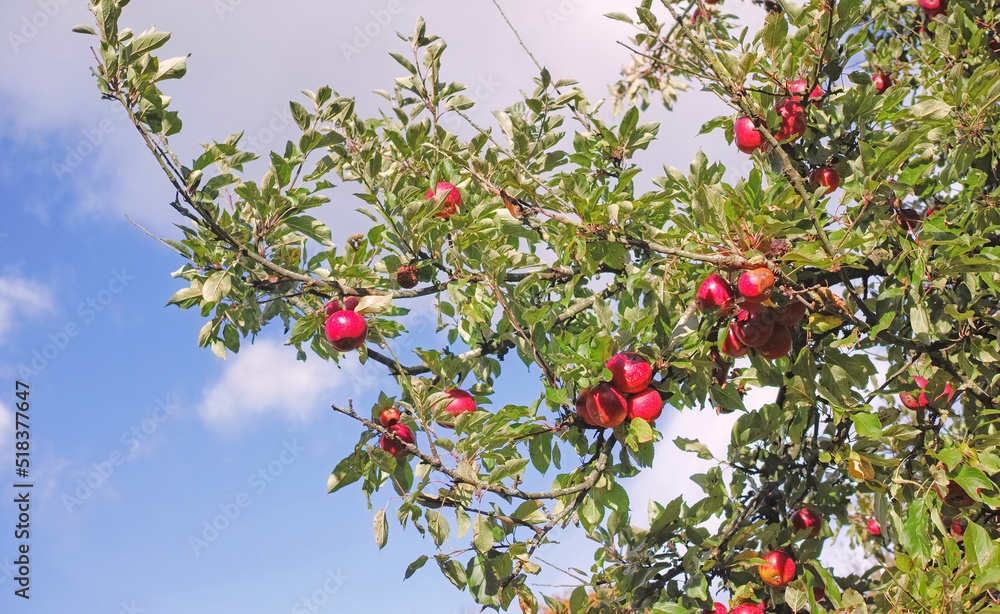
(265, 380)
(21, 298)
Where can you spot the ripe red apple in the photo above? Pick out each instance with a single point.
(714, 292)
(748, 138)
(606, 406)
(388, 416)
(825, 177)
(697, 16)
(406, 276)
(755, 285)
(908, 400)
(748, 608)
(779, 569)
(778, 345)
(933, 8)
(882, 82)
(719, 608)
(793, 121)
(731, 344)
(395, 447)
(630, 372)
(958, 526)
(459, 403)
(807, 518)
(346, 330)
(646, 404)
(873, 527)
(790, 314)
(798, 88)
(754, 325)
(955, 496)
(452, 202)
(350, 303)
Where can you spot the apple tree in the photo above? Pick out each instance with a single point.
(853, 269)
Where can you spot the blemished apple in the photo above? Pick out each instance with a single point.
(790, 314)
(911, 402)
(452, 202)
(793, 121)
(873, 527)
(606, 406)
(646, 404)
(824, 177)
(882, 82)
(754, 325)
(748, 138)
(459, 403)
(389, 416)
(731, 344)
(807, 518)
(778, 345)
(350, 303)
(755, 285)
(406, 276)
(798, 88)
(346, 330)
(748, 608)
(396, 447)
(955, 496)
(779, 569)
(714, 293)
(630, 372)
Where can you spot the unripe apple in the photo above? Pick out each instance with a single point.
(807, 518)
(714, 293)
(748, 138)
(754, 325)
(873, 527)
(933, 8)
(395, 447)
(790, 314)
(824, 177)
(955, 495)
(630, 372)
(911, 402)
(793, 121)
(748, 608)
(646, 404)
(459, 402)
(350, 303)
(452, 202)
(406, 276)
(778, 344)
(731, 344)
(779, 569)
(389, 416)
(755, 285)
(346, 330)
(606, 406)
(882, 82)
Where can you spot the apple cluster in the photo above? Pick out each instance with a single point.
(628, 395)
(755, 326)
(399, 433)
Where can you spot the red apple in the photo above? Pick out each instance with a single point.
(460, 402)
(452, 202)
(958, 526)
(395, 446)
(933, 8)
(790, 314)
(748, 138)
(646, 404)
(910, 402)
(630, 372)
(793, 121)
(806, 518)
(754, 325)
(731, 344)
(719, 608)
(714, 292)
(873, 527)
(824, 177)
(712, 1)
(581, 407)
(697, 16)
(350, 303)
(882, 82)
(389, 416)
(755, 285)
(955, 496)
(798, 88)
(778, 344)
(748, 608)
(606, 406)
(346, 330)
(779, 569)
(406, 276)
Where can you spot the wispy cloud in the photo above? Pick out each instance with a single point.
(22, 298)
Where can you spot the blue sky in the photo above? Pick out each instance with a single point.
(140, 439)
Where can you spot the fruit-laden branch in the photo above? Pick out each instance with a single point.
(500, 489)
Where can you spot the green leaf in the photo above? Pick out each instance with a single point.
(346, 472)
(84, 30)
(381, 529)
(184, 294)
(312, 228)
(300, 115)
(438, 525)
(174, 68)
(867, 425)
(415, 565)
(482, 534)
